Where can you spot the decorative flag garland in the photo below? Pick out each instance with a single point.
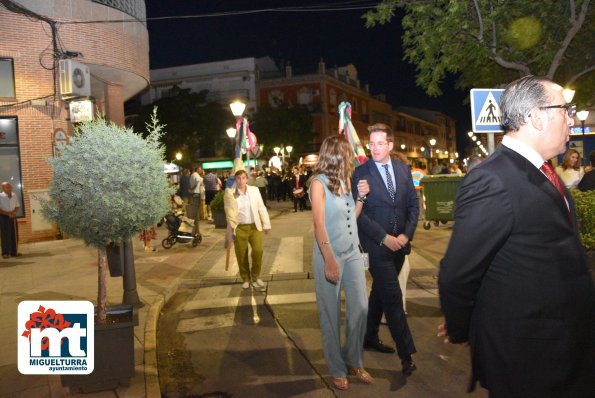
(348, 130)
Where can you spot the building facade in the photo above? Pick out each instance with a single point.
(416, 128)
(225, 81)
(323, 91)
(42, 42)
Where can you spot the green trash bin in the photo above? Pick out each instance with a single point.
(439, 193)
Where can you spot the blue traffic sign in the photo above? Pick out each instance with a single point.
(485, 110)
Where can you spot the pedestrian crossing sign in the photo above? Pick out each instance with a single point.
(485, 110)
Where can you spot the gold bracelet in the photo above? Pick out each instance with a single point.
(324, 242)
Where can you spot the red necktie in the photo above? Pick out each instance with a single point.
(553, 177)
(297, 181)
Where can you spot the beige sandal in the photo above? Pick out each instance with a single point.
(361, 375)
(341, 383)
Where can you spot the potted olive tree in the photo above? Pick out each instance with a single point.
(108, 185)
(218, 211)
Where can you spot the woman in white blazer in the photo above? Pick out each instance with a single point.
(247, 217)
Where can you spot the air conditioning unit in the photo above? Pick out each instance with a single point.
(75, 79)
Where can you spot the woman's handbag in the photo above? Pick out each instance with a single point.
(365, 257)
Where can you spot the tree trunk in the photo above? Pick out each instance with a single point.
(101, 286)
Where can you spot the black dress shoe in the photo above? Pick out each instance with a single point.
(379, 346)
(408, 366)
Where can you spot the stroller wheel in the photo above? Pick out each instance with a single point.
(167, 243)
(197, 239)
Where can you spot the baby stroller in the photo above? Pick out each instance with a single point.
(181, 230)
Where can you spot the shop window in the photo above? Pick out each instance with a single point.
(10, 162)
(7, 89)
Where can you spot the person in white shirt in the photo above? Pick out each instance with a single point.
(196, 186)
(9, 206)
(247, 217)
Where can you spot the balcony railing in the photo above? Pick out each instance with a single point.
(134, 8)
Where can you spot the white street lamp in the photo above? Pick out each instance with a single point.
(582, 116)
(237, 108)
(568, 94)
(231, 133)
(289, 148)
(178, 156)
(470, 134)
(432, 143)
(474, 138)
(402, 146)
(422, 148)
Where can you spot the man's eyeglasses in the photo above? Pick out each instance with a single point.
(570, 108)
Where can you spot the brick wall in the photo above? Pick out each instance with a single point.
(121, 46)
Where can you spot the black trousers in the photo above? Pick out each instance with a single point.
(7, 232)
(301, 202)
(386, 297)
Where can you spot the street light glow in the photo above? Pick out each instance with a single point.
(470, 134)
(178, 156)
(237, 108)
(582, 115)
(568, 94)
(432, 142)
(231, 132)
(402, 146)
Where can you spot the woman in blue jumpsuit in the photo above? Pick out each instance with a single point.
(337, 260)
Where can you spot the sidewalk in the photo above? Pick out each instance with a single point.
(67, 270)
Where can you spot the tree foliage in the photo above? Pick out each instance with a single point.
(281, 124)
(487, 43)
(108, 184)
(196, 127)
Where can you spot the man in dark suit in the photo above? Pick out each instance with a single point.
(514, 282)
(386, 227)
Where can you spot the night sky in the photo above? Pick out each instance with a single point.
(301, 38)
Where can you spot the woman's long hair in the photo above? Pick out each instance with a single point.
(566, 161)
(336, 162)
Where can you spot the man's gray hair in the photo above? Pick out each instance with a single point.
(519, 98)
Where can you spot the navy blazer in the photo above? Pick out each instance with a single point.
(515, 283)
(378, 215)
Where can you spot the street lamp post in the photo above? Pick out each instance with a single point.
(289, 148)
(582, 116)
(432, 143)
(237, 109)
(231, 133)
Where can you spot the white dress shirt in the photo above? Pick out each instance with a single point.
(244, 210)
